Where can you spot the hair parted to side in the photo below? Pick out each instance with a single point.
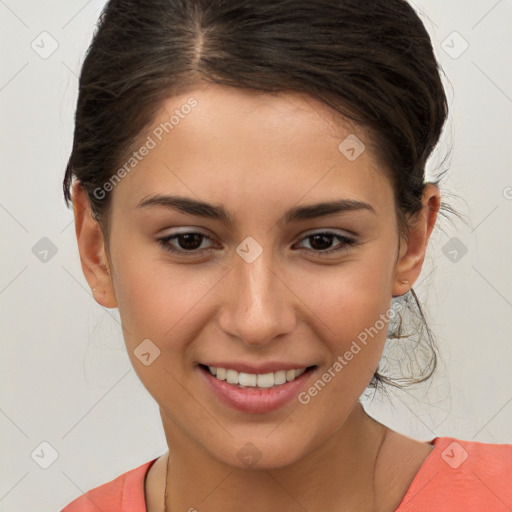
(371, 61)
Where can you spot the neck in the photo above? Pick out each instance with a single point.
(338, 475)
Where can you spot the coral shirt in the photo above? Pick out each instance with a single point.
(457, 475)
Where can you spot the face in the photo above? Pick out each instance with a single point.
(220, 257)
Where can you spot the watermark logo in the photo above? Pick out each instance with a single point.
(249, 454)
(146, 352)
(45, 45)
(352, 147)
(249, 249)
(454, 250)
(44, 455)
(454, 45)
(44, 250)
(454, 455)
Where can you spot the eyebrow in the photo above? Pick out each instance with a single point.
(296, 214)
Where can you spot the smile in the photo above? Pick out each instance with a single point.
(262, 380)
(260, 392)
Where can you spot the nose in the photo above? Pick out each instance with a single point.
(259, 305)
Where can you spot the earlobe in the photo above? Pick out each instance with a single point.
(91, 247)
(412, 256)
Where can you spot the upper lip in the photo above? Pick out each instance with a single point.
(262, 368)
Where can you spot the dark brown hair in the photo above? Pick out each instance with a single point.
(370, 60)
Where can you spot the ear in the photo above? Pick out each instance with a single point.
(413, 249)
(91, 246)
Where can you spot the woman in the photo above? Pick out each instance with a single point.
(249, 190)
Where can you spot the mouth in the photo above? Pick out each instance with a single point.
(255, 380)
(260, 392)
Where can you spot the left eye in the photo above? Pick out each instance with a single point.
(321, 242)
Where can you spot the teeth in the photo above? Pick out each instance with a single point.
(231, 377)
(280, 377)
(247, 379)
(264, 380)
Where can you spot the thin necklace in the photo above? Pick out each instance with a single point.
(166, 479)
(373, 481)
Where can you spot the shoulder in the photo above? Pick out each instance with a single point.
(457, 472)
(123, 494)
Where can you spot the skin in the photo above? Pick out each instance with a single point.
(258, 155)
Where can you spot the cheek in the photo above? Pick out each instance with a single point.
(355, 305)
(354, 296)
(161, 303)
(159, 300)
(357, 311)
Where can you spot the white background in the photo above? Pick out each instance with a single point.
(66, 378)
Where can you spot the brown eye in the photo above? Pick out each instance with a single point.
(187, 242)
(322, 242)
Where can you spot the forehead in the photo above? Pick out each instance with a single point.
(224, 144)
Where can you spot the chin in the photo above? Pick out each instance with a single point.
(267, 450)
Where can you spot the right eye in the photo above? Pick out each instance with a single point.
(189, 243)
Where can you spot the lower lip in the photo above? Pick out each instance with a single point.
(255, 400)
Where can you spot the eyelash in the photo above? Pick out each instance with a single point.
(346, 242)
